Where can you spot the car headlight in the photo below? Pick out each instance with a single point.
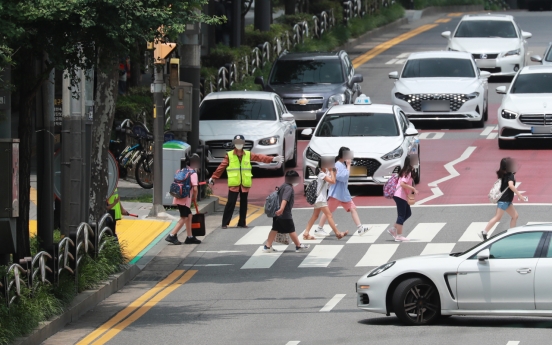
(401, 96)
(397, 153)
(512, 52)
(337, 99)
(380, 269)
(269, 141)
(313, 156)
(510, 115)
(472, 95)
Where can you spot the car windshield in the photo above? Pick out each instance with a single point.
(237, 109)
(358, 125)
(548, 56)
(477, 245)
(486, 28)
(439, 68)
(533, 83)
(326, 71)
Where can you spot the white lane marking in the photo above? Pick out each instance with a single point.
(487, 130)
(404, 55)
(220, 251)
(400, 62)
(370, 236)
(257, 235)
(321, 255)
(438, 248)
(333, 302)
(470, 235)
(535, 223)
(293, 342)
(390, 62)
(513, 342)
(319, 239)
(436, 135)
(492, 135)
(377, 254)
(425, 232)
(264, 260)
(437, 192)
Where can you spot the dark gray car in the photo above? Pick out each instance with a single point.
(310, 83)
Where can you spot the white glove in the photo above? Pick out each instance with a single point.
(211, 181)
(278, 159)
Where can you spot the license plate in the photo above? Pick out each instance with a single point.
(435, 105)
(541, 130)
(484, 63)
(359, 171)
(218, 153)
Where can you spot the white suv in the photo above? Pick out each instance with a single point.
(495, 41)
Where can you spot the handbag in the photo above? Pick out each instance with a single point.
(198, 223)
(283, 239)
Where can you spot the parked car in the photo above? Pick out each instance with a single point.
(547, 60)
(442, 86)
(380, 136)
(509, 274)
(495, 41)
(310, 83)
(261, 117)
(525, 111)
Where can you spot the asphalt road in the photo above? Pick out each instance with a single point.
(238, 296)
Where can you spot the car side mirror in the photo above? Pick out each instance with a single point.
(501, 90)
(410, 132)
(260, 81)
(307, 132)
(484, 74)
(288, 117)
(446, 34)
(526, 35)
(394, 75)
(357, 78)
(536, 58)
(483, 255)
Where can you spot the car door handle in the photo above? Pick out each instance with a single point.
(524, 270)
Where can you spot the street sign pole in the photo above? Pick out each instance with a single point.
(158, 125)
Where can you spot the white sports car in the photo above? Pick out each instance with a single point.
(510, 274)
(261, 117)
(496, 42)
(526, 109)
(380, 136)
(441, 86)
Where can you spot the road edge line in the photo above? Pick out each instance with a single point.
(153, 243)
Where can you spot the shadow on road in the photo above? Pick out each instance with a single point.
(462, 321)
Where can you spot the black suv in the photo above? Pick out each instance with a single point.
(310, 83)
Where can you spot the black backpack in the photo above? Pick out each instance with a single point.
(311, 192)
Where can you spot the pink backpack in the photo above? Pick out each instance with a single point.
(390, 186)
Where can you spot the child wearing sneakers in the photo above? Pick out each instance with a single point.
(283, 222)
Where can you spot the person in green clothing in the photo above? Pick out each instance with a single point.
(114, 203)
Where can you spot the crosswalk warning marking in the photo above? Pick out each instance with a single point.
(257, 235)
(264, 260)
(425, 232)
(438, 248)
(378, 254)
(333, 302)
(369, 237)
(321, 255)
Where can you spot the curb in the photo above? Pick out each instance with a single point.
(370, 34)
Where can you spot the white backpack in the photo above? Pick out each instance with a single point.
(495, 194)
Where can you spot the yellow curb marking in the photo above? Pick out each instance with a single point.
(443, 20)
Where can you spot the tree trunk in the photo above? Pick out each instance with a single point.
(289, 7)
(136, 66)
(105, 98)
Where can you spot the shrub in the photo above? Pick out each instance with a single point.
(254, 38)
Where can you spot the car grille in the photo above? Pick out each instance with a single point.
(489, 56)
(536, 119)
(306, 107)
(371, 164)
(456, 100)
(438, 116)
(492, 70)
(511, 132)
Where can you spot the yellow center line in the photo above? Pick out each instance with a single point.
(145, 308)
(443, 20)
(457, 14)
(131, 308)
(362, 59)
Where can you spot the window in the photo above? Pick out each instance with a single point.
(237, 109)
(281, 105)
(327, 71)
(358, 125)
(548, 56)
(348, 65)
(518, 246)
(439, 68)
(533, 83)
(404, 121)
(486, 28)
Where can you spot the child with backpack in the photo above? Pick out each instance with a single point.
(403, 199)
(184, 191)
(326, 177)
(283, 220)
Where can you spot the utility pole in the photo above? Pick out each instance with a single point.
(236, 23)
(87, 85)
(263, 15)
(5, 126)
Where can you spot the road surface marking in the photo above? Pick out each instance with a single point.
(370, 236)
(513, 342)
(319, 239)
(443, 20)
(390, 62)
(145, 308)
(400, 62)
(257, 235)
(321, 256)
(207, 265)
(220, 251)
(380, 48)
(264, 260)
(436, 135)
(535, 223)
(425, 232)
(438, 248)
(470, 235)
(457, 14)
(333, 302)
(437, 192)
(293, 342)
(403, 55)
(377, 254)
(487, 130)
(253, 211)
(492, 135)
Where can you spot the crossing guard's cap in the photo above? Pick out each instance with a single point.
(239, 139)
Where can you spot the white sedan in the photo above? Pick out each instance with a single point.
(526, 109)
(509, 274)
(442, 86)
(547, 56)
(261, 117)
(496, 42)
(380, 136)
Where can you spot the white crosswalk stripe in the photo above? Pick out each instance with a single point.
(438, 248)
(377, 254)
(257, 235)
(321, 255)
(470, 235)
(425, 232)
(319, 239)
(370, 236)
(264, 260)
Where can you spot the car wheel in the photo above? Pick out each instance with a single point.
(418, 171)
(504, 144)
(486, 112)
(293, 162)
(282, 169)
(416, 302)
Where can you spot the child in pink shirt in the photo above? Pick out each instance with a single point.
(404, 188)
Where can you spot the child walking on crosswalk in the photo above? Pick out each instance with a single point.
(402, 196)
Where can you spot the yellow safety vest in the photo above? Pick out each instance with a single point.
(239, 173)
(117, 207)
